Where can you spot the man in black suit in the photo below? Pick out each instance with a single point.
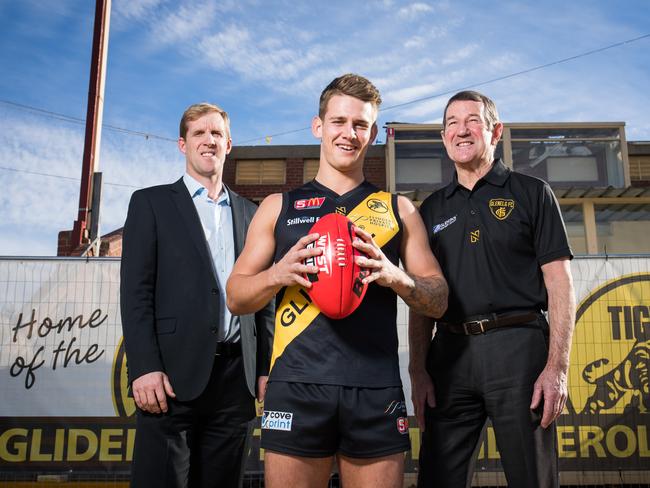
(192, 365)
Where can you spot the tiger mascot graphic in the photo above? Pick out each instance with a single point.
(631, 375)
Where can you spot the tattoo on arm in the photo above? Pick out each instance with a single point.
(428, 295)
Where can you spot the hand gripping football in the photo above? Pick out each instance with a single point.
(337, 288)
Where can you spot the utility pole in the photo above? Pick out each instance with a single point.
(94, 116)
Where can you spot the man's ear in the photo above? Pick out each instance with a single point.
(317, 127)
(373, 132)
(497, 130)
(181, 145)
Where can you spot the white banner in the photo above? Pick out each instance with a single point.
(63, 373)
(60, 328)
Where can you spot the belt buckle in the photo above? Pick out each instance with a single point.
(467, 326)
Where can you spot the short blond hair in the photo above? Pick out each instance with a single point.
(198, 110)
(352, 85)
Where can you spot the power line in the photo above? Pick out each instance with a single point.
(61, 177)
(148, 135)
(518, 73)
(77, 120)
(273, 135)
(480, 83)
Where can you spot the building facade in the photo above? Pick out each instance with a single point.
(601, 181)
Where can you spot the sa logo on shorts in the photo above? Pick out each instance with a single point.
(403, 425)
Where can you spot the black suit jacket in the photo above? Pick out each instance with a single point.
(169, 292)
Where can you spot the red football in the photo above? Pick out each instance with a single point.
(337, 288)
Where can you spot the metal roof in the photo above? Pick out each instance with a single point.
(602, 192)
(560, 193)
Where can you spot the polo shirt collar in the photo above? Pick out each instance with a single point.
(497, 176)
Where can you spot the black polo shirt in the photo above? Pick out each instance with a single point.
(491, 241)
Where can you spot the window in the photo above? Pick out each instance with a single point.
(421, 166)
(620, 228)
(421, 161)
(569, 156)
(572, 168)
(575, 227)
(639, 168)
(261, 172)
(416, 135)
(310, 169)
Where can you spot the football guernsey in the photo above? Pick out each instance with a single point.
(361, 349)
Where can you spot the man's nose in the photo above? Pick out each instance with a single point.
(463, 129)
(350, 131)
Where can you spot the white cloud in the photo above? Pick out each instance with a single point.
(185, 23)
(23, 241)
(414, 10)
(423, 110)
(414, 42)
(36, 207)
(410, 93)
(135, 9)
(458, 55)
(259, 57)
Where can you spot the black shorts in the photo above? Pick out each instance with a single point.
(311, 420)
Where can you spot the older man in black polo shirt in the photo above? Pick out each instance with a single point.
(502, 245)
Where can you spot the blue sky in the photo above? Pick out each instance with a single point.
(265, 62)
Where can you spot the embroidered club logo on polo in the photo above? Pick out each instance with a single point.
(273, 420)
(501, 208)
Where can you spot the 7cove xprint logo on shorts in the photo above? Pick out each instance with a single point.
(272, 420)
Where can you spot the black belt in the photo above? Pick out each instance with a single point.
(480, 324)
(228, 349)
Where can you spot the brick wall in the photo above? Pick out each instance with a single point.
(64, 247)
(374, 170)
(110, 245)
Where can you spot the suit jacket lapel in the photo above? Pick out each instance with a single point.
(238, 221)
(192, 222)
